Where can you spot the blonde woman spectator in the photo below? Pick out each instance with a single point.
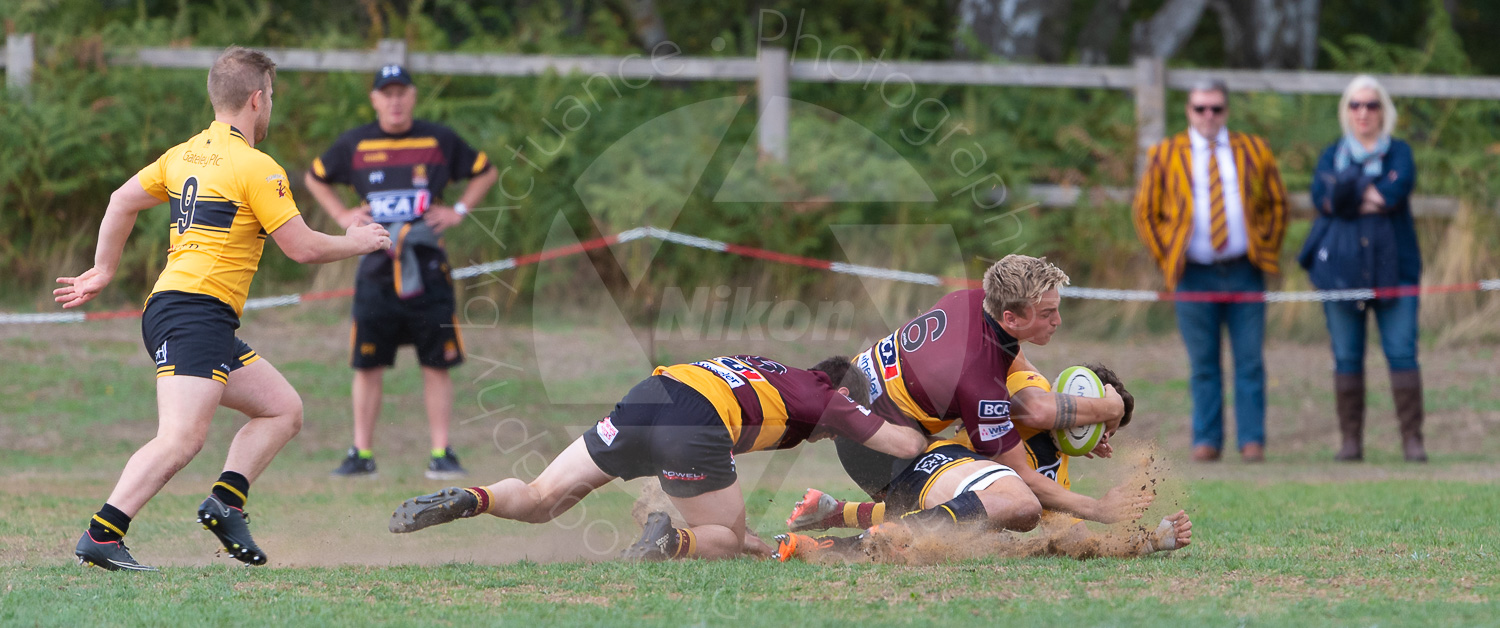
(1364, 237)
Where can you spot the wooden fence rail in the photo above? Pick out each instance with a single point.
(1148, 78)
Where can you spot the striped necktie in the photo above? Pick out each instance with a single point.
(1218, 223)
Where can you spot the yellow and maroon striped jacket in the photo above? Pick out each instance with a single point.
(1163, 207)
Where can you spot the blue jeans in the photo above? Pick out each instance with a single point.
(1201, 325)
(1397, 321)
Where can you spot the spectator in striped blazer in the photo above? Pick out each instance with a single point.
(1211, 209)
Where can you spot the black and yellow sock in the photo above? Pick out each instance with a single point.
(966, 508)
(109, 524)
(232, 489)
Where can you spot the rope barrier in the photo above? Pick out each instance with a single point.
(873, 272)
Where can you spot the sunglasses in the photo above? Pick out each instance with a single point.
(1202, 109)
(1355, 105)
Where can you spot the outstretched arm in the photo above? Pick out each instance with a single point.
(306, 246)
(1043, 410)
(1119, 504)
(119, 219)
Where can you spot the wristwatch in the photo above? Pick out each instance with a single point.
(460, 208)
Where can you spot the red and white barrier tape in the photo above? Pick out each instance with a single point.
(1101, 294)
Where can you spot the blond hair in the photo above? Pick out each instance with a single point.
(1017, 282)
(1387, 108)
(235, 75)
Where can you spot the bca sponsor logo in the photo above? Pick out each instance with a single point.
(606, 431)
(991, 409)
(886, 349)
(994, 431)
(680, 476)
(931, 462)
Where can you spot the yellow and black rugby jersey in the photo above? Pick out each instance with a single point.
(1041, 450)
(766, 405)
(225, 196)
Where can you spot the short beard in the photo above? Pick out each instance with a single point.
(262, 127)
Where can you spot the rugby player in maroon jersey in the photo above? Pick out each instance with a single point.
(683, 425)
(951, 364)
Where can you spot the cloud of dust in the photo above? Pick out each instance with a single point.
(1057, 535)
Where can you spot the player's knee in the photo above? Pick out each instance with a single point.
(181, 447)
(293, 417)
(1022, 514)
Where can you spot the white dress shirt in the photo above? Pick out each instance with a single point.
(1200, 249)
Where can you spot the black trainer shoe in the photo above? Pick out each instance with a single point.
(432, 509)
(655, 536)
(445, 467)
(233, 529)
(111, 555)
(355, 466)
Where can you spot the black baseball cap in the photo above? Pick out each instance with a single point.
(390, 75)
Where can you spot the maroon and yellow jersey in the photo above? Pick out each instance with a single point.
(766, 405)
(949, 364)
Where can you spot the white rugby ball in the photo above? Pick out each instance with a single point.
(1080, 382)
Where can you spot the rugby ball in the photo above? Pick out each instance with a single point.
(1080, 382)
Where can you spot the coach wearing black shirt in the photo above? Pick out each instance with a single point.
(399, 166)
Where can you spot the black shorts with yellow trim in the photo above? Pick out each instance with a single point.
(383, 322)
(193, 334)
(665, 428)
(910, 487)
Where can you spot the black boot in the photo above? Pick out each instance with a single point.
(1349, 400)
(1406, 388)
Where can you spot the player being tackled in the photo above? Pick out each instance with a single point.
(684, 425)
(820, 511)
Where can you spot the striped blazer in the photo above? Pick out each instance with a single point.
(1163, 207)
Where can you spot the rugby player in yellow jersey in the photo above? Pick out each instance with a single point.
(818, 510)
(684, 425)
(226, 196)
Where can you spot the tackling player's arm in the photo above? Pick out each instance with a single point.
(1119, 504)
(898, 441)
(306, 246)
(1041, 410)
(119, 219)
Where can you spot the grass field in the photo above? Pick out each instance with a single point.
(1296, 541)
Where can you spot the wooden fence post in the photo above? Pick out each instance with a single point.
(772, 92)
(391, 51)
(20, 58)
(1150, 107)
